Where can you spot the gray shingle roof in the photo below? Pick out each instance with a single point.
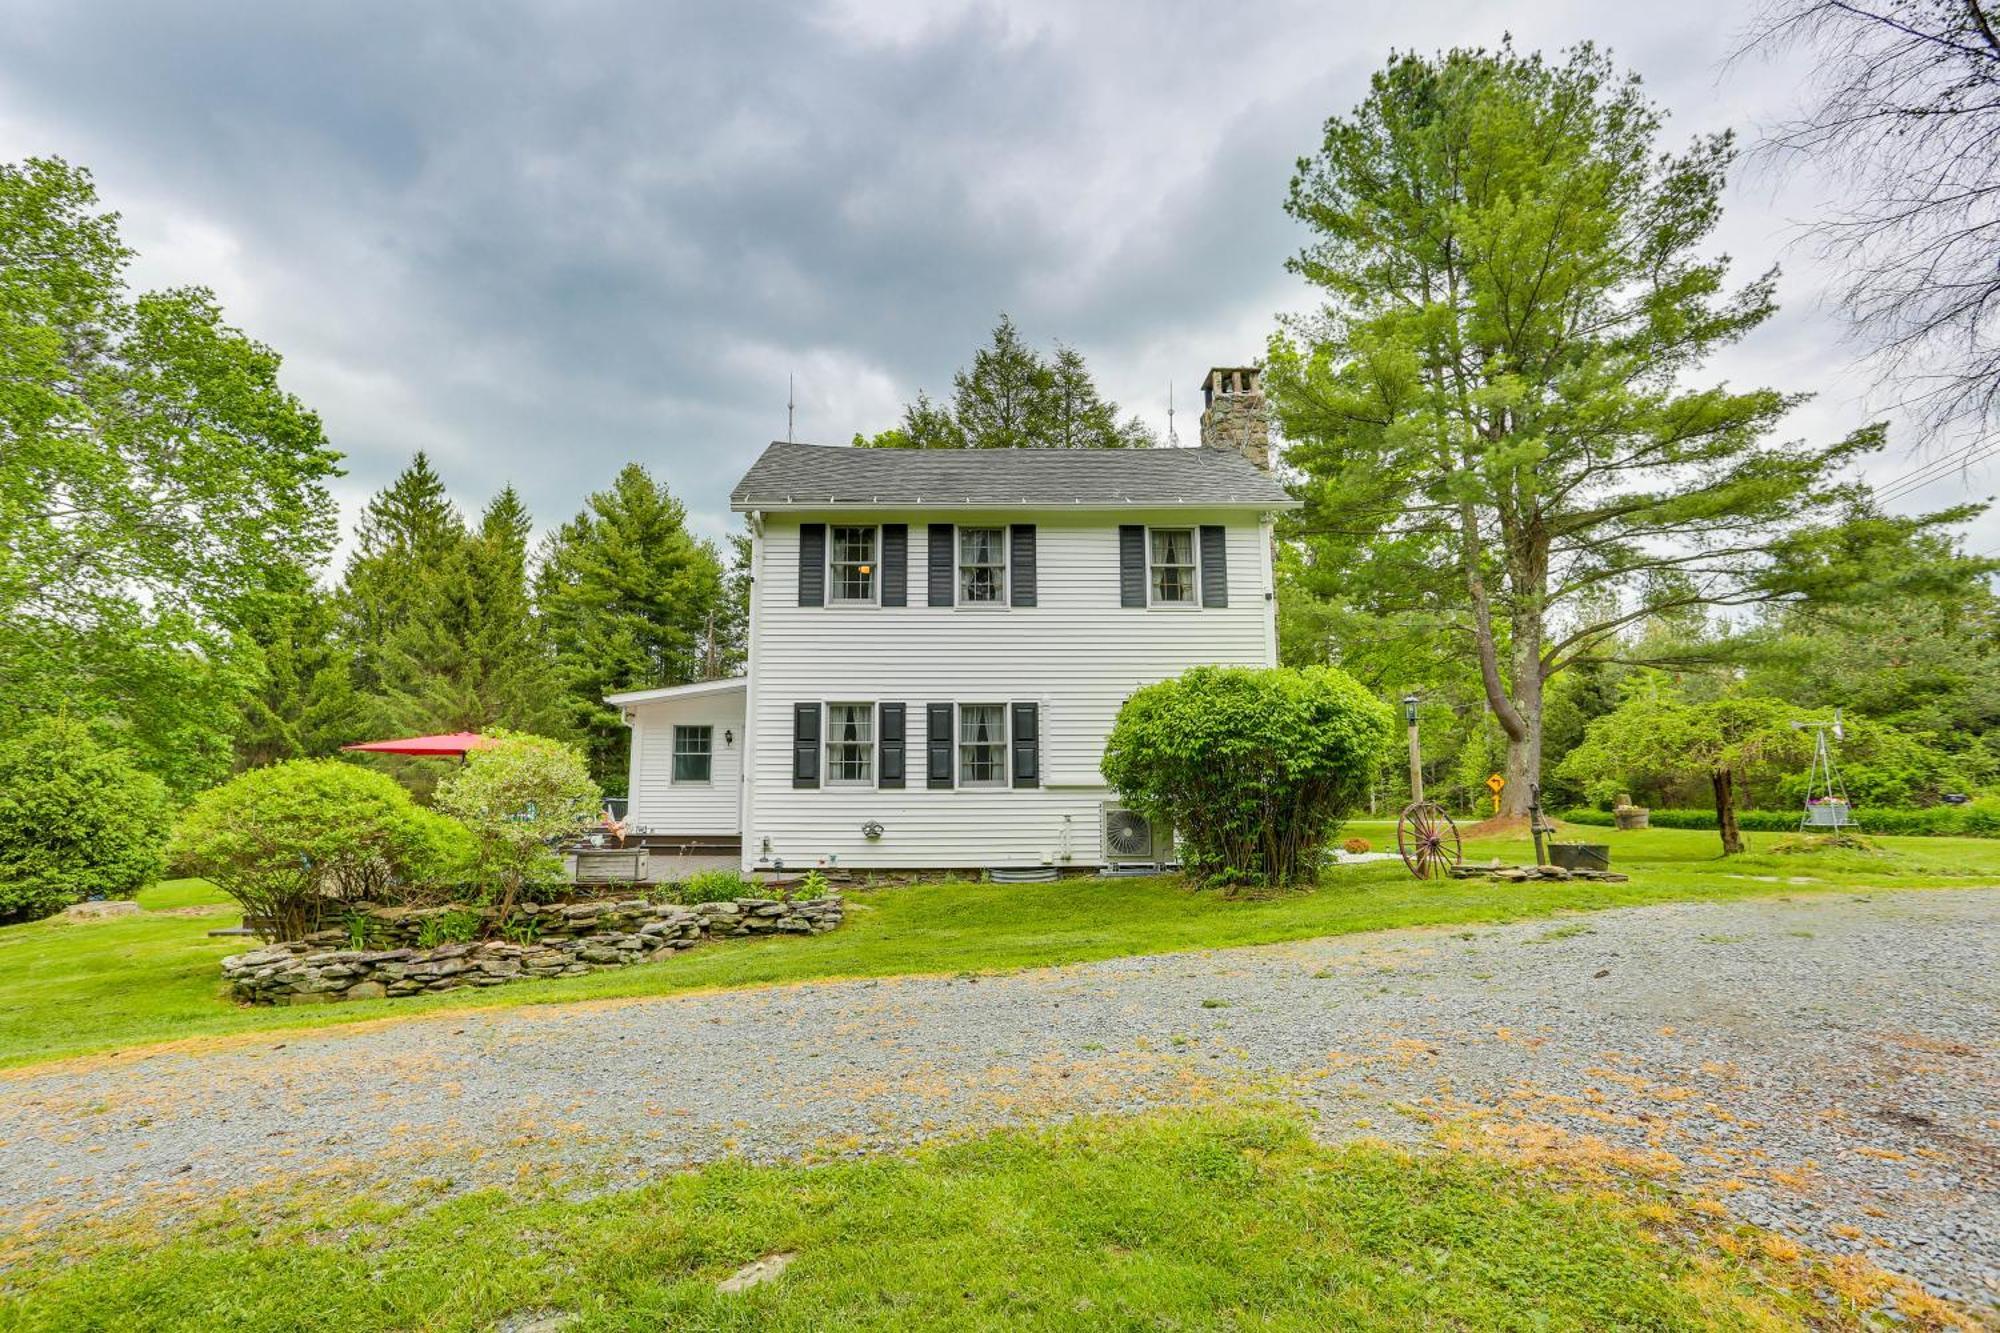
(802, 475)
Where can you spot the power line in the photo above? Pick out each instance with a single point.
(1919, 477)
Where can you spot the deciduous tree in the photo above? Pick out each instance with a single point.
(151, 471)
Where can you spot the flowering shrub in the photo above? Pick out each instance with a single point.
(1356, 846)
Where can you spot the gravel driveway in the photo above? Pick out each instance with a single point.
(1823, 1065)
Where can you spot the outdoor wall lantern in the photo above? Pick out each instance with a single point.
(728, 736)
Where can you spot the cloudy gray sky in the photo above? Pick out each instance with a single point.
(541, 240)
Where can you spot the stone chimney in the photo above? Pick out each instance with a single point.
(1233, 414)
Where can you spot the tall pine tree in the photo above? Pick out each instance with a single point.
(1011, 397)
(303, 704)
(408, 528)
(630, 599)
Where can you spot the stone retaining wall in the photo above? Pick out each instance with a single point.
(541, 940)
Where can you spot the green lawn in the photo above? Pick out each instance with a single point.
(68, 988)
(1226, 1219)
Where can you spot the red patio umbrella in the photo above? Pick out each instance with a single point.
(452, 743)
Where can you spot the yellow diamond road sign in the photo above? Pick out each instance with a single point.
(1495, 783)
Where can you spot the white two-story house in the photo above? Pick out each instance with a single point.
(940, 640)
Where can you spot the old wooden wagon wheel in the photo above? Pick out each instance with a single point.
(1428, 840)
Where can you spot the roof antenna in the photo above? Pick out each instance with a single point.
(1173, 436)
(788, 408)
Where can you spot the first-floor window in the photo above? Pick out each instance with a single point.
(1173, 566)
(982, 566)
(850, 743)
(982, 745)
(694, 749)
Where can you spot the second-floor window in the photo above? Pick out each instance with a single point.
(1172, 568)
(982, 566)
(854, 565)
(850, 744)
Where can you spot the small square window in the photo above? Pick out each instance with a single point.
(852, 552)
(694, 753)
(850, 744)
(982, 745)
(982, 566)
(1172, 567)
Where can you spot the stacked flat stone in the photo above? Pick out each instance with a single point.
(1522, 874)
(546, 940)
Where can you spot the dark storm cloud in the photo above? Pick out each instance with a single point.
(541, 240)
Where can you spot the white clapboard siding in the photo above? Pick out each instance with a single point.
(1077, 653)
(660, 805)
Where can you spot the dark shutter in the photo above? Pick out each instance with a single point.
(1021, 565)
(812, 564)
(890, 767)
(943, 564)
(895, 564)
(938, 745)
(1131, 564)
(1214, 566)
(1027, 745)
(805, 745)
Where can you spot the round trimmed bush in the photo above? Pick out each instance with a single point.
(76, 819)
(1255, 770)
(294, 842)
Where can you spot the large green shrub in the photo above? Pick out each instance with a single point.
(76, 818)
(294, 842)
(1255, 770)
(521, 797)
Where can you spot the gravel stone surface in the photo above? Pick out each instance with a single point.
(1823, 1066)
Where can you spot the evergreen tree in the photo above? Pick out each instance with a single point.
(1013, 398)
(471, 655)
(630, 599)
(1492, 410)
(408, 528)
(304, 705)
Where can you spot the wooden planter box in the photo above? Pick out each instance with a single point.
(1580, 855)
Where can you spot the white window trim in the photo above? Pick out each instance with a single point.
(874, 778)
(674, 779)
(1194, 540)
(833, 597)
(999, 603)
(959, 745)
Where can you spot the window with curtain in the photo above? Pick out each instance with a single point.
(850, 744)
(1173, 566)
(982, 745)
(982, 566)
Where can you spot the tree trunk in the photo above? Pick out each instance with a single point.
(1724, 783)
(1524, 751)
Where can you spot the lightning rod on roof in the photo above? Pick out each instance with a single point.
(789, 405)
(1173, 436)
